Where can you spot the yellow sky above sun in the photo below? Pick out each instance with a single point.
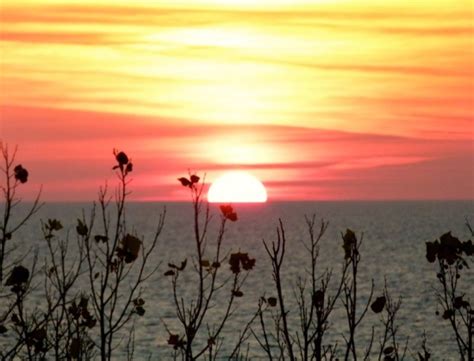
(264, 4)
(298, 62)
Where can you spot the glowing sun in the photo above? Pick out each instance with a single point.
(237, 187)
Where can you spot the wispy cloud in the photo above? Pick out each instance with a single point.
(64, 148)
(323, 101)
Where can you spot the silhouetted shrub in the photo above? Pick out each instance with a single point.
(73, 323)
(451, 256)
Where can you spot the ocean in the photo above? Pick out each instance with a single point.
(393, 249)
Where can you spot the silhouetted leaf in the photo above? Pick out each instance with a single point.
(3, 329)
(129, 168)
(74, 310)
(38, 335)
(272, 301)
(388, 350)
(21, 174)
(234, 262)
(169, 273)
(81, 228)
(228, 212)
(232, 217)
(129, 248)
(90, 322)
(99, 238)
(216, 264)
(318, 298)
(468, 248)
(51, 271)
(85, 314)
(448, 314)
(183, 265)
(175, 341)
(194, 178)
(431, 251)
(237, 293)
(138, 302)
(185, 182)
(350, 243)
(459, 302)
(83, 302)
(205, 263)
(19, 275)
(226, 209)
(238, 259)
(450, 248)
(140, 310)
(122, 158)
(378, 305)
(247, 263)
(54, 225)
(179, 268)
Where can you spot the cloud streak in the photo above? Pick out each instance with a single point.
(325, 101)
(73, 149)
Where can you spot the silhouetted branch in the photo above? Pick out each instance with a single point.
(451, 256)
(192, 312)
(350, 292)
(14, 176)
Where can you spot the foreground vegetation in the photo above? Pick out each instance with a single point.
(82, 300)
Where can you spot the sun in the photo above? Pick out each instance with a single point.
(237, 187)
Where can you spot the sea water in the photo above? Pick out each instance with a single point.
(393, 249)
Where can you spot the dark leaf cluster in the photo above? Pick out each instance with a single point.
(240, 261)
(138, 304)
(37, 340)
(54, 225)
(80, 313)
(123, 162)
(21, 174)
(129, 248)
(208, 266)
(378, 305)
(176, 341)
(228, 212)
(389, 353)
(460, 302)
(350, 244)
(449, 249)
(100, 238)
(272, 301)
(185, 182)
(18, 278)
(174, 268)
(318, 299)
(81, 228)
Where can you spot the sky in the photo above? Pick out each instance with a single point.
(321, 100)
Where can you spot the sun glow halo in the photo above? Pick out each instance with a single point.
(237, 187)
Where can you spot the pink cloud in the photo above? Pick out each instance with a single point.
(70, 154)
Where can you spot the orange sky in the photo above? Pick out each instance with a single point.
(319, 99)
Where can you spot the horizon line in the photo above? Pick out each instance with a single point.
(275, 201)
